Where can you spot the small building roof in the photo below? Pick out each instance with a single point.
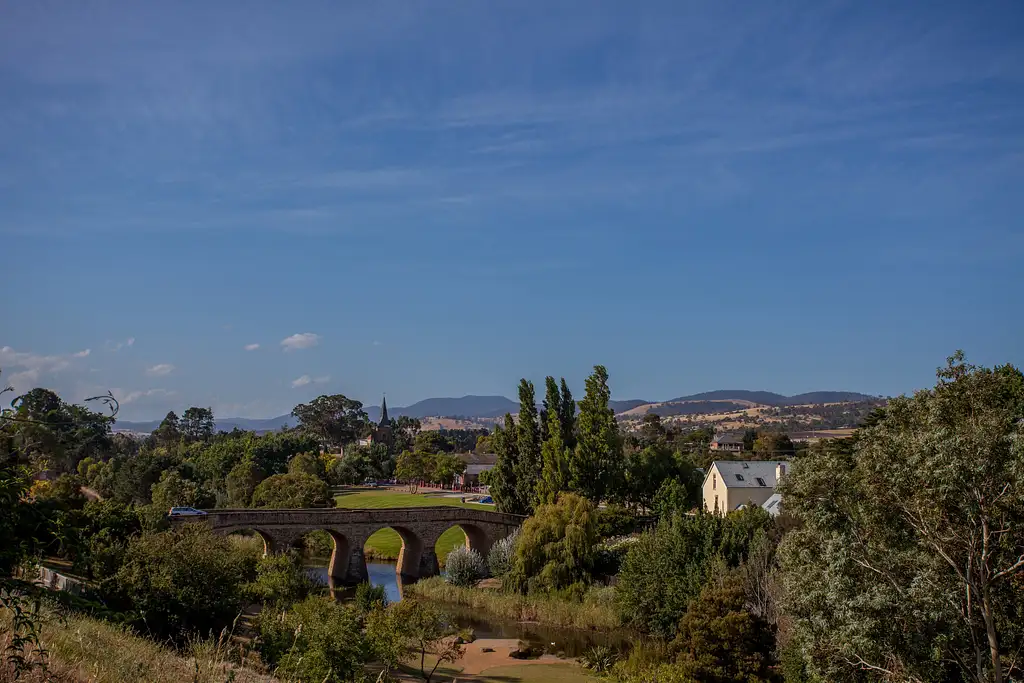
(477, 469)
(747, 473)
(478, 458)
(773, 505)
(728, 438)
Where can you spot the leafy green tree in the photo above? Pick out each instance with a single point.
(307, 463)
(52, 434)
(179, 583)
(174, 490)
(644, 471)
(431, 441)
(596, 461)
(567, 416)
(291, 491)
(910, 555)
(446, 467)
(403, 432)
(334, 420)
(197, 424)
(554, 478)
(527, 445)
(774, 445)
(272, 452)
(413, 467)
(503, 478)
(674, 497)
(427, 633)
(169, 431)
(749, 439)
(483, 444)
(719, 641)
(280, 580)
(666, 568)
(241, 482)
(557, 546)
(316, 640)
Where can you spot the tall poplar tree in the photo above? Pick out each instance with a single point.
(528, 445)
(504, 483)
(554, 456)
(567, 416)
(598, 454)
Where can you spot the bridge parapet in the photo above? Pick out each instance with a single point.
(419, 527)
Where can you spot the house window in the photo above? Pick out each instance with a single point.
(716, 503)
(739, 477)
(760, 482)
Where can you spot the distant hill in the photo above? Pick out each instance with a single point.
(467, 406)
(772, 399)
(488, 407)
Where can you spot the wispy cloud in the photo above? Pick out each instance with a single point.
(306, 379)
(125, 396)
(118, 345)
(302, 340)
(32, 367)
(160, 370)
(251, 347)
(82, 354)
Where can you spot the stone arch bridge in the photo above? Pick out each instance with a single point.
(419, 527)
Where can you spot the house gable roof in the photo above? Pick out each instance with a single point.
(745, 473)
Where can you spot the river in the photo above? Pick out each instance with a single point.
(559, 641)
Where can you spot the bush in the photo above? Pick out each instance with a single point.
(556, 547)
(599, 658)
(369, 597)
(280, 580)
(317, 640)
(615, 520)
(464, 567)
(180, 582)
(499, 560)
(291, 491)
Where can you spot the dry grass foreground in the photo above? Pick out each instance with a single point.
(84, 650)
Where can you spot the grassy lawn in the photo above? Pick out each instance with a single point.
(386, 543)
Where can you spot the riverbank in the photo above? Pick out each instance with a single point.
(596, 611)
(81, 649)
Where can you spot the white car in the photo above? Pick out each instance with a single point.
(185, 512)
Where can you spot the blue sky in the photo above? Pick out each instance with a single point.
(438, 198)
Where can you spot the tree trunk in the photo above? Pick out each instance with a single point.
(993, 637)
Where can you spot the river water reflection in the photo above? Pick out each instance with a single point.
(561, 641)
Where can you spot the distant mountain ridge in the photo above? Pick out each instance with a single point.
(489, 407)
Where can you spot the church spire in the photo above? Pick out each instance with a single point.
(384, 421)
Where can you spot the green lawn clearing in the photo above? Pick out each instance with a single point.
(386, 543)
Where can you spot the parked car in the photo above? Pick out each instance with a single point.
(371, 483)
(185, 512)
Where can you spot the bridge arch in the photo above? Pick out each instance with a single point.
(270, 543)
(416, 558)
(475, 538)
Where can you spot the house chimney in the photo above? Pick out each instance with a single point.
(780, 471)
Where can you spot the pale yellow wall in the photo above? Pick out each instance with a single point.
(728, 499)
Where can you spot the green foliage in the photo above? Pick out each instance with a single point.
(426, 631)
(333, 420)
(197, 424)
(556, 546)
(241, 482)
(369, 597)
(600, 658)
(104, 529)
(431, 441)
(720, 641)
(502, 554)
(595, 465)
(909, 553)
(291, 491)
(52, 434)
(666, 568)
(528, 464)
(555, 451)
(173, 490)
(615, 520)
(317, 640)
(180, 582)
(503, 478)
(280, 580)
(445, 468)
(464, 567)
(676, 496)
(773, 446)
(307, 463)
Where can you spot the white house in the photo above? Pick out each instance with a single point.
(731, 484)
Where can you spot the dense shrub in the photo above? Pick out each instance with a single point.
(177, 583)
(464, 567)
(317, 640)
(280, 580)
(369, 597)
(667, 568)
(499, 560)
(556, 546)
(615, 520)
(291, 491)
